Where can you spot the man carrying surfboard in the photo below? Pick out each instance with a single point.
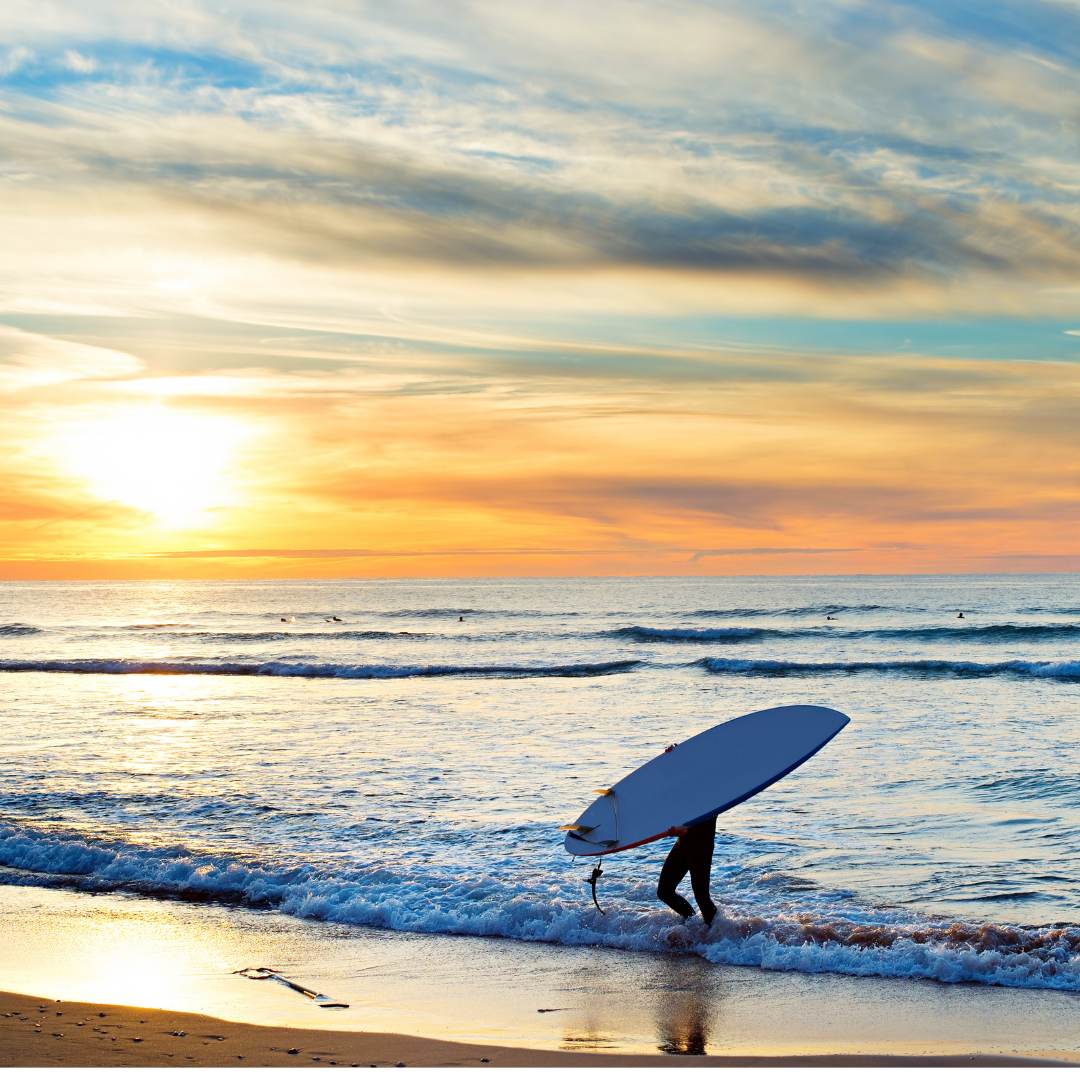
(682, 791)
(692, 853)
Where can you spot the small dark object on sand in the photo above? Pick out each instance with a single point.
(293, 1050)
(485, 1061)
(179, 1034)
(274, 975)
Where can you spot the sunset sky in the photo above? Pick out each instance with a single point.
(402, 289)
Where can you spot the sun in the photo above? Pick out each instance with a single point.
(177, 466)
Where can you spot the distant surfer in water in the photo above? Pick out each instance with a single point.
(691, 854)
(959, 614)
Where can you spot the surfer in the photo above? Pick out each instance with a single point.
(959, 614)
(691, 854)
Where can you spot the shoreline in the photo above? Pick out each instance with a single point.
(39, 1032)
(162, 966)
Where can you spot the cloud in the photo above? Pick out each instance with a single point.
(76, 61)
(735, 552)
(29, 361)
(759, 145)
(372, 553)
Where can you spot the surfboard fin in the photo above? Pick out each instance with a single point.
(581, 830)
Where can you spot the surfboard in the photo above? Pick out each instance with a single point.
(703, 776)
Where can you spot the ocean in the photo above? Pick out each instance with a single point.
(400, 754)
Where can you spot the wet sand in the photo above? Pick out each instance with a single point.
(38, 1032)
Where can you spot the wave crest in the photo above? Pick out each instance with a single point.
(281, 669)
(1001, 633)
(1063, 671)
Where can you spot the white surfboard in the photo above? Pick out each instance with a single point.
(701, 777)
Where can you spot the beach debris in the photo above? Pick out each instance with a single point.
(399, 1064)
(178, 1034)
(485, 1061)
(137, 1039)
(262, 973)
(293, 1050)
(564, 1009)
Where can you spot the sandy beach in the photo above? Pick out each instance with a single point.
(38, 1032)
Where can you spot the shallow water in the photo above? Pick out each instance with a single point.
(407, 770)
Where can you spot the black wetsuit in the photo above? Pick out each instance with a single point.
(691, 854)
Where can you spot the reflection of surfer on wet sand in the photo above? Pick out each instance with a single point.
(683, 1028)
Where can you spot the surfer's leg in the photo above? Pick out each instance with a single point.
(700, 874)
(673, 871)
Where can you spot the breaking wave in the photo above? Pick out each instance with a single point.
(1001, 633)
(240, 637)
(18, 629)
(420, 898)
(726, 634)
(1065, 671)
(813, 609)
(282, 669)
(446, 613)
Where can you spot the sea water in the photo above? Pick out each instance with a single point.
(400, 754)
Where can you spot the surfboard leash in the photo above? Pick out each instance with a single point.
(592, 879)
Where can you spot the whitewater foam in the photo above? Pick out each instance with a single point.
(421, 899)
